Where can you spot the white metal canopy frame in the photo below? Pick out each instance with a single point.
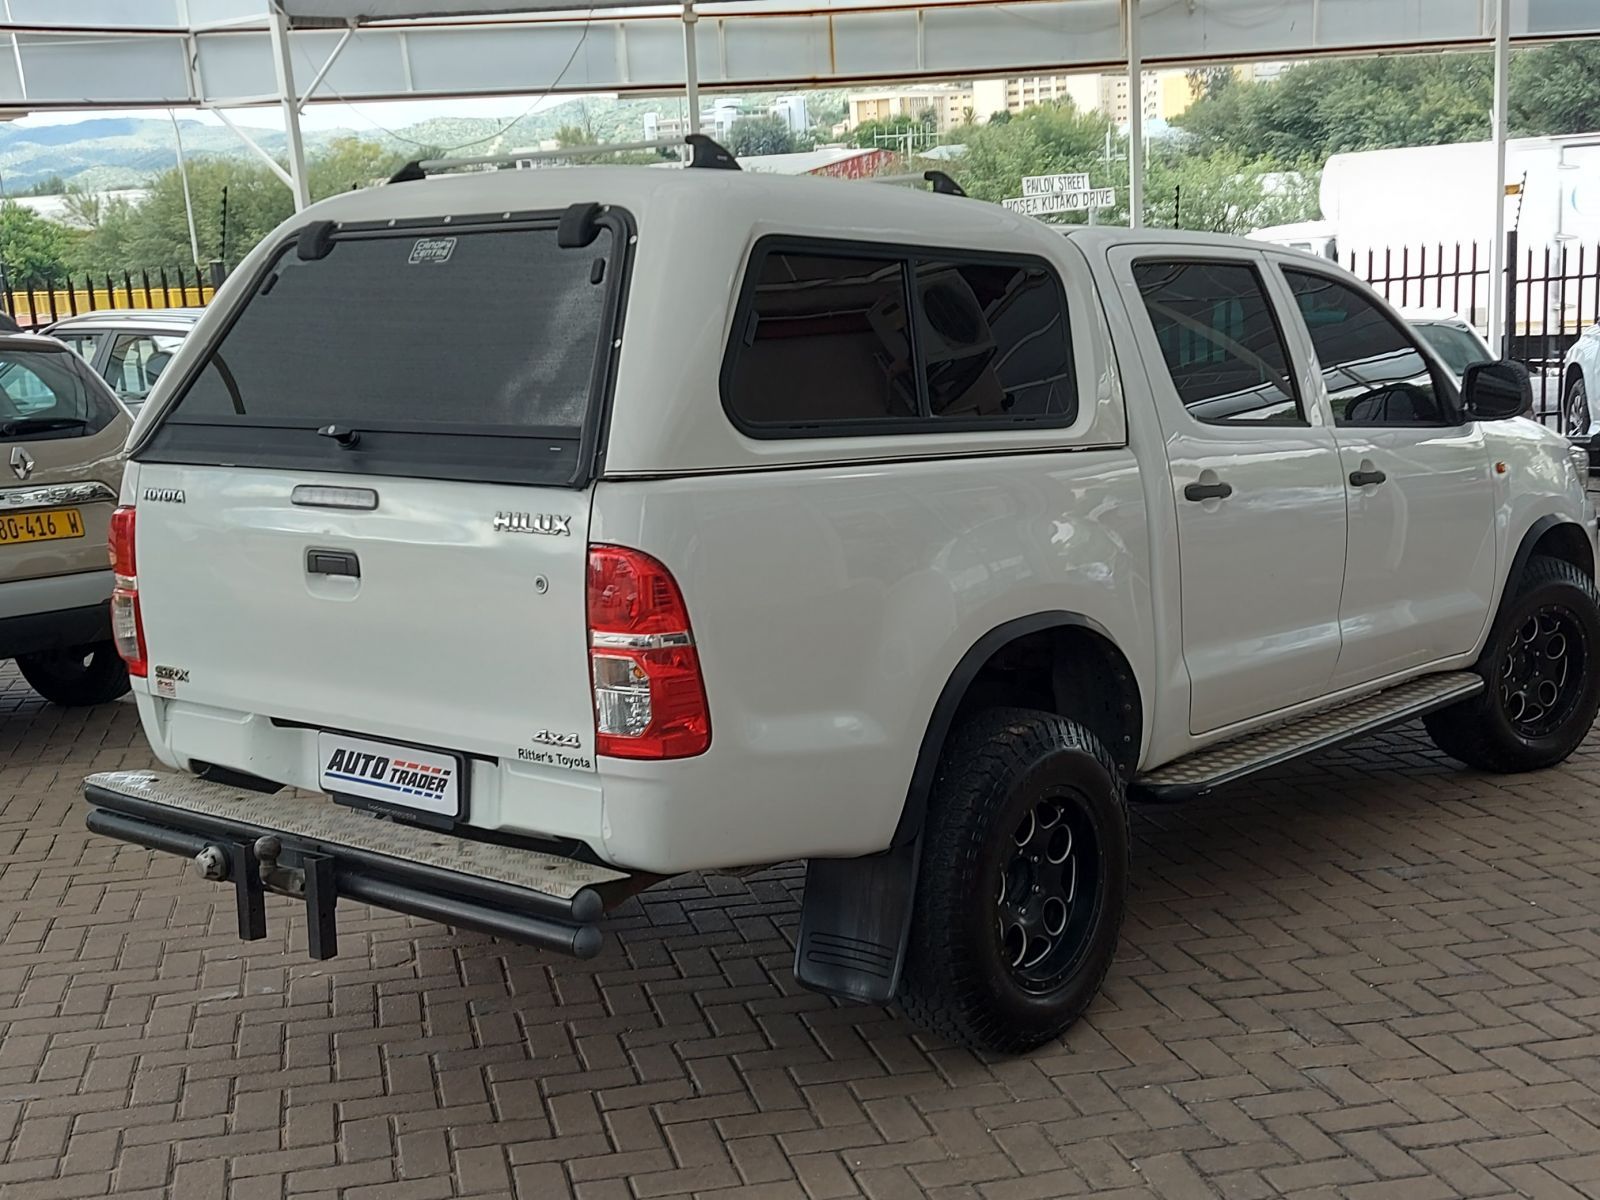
(220, 54)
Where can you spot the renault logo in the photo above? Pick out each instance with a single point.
(21, 462)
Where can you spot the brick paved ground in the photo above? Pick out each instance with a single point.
(1372, 976)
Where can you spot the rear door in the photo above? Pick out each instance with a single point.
(1255, 479)
(367, 508)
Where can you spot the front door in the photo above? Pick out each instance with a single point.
(1420, 567)
(1256, 480)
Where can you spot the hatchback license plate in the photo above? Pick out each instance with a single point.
(50, 526)
(403, 776)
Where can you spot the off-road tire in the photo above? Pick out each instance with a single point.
(1482, 731)
(997, 767)
(77, 677)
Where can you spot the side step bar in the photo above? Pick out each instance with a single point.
(1198, 773)
(311, 849)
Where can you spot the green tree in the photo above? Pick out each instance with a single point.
(1556, 89)
(32, 250)
(759, 135)
(1224, 192)
(1325, 108)
(50, 185)
(348, 163)
(1047, 140)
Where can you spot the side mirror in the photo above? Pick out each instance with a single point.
(1494, 391)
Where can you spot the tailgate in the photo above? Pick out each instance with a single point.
(438, 617)
(365, 510)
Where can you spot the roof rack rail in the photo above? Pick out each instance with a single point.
(703, 153)
(942, 183)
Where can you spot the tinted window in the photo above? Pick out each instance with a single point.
(137, 361)
(1220, 341)
(1374, 372)
(43, 395)
(489, 331)
(825, 344)
(994, 341)
(825, 341)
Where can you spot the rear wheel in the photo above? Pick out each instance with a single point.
(80, 676)
(1541, 670)
(1023, 882)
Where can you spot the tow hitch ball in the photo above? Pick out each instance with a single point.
(254, 870)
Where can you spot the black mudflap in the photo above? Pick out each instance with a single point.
(853, 926)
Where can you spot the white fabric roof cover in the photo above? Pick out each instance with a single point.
(136, 53)
(321, 12)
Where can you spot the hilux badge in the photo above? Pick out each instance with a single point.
(553, 524)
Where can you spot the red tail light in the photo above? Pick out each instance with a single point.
(127, 626)
(649, 698)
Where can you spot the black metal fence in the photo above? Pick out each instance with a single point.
(43, 302)
(1551, 296)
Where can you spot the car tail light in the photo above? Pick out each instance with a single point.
(649, 698)
(127, 626)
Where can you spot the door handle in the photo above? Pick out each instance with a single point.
(333, 562)
(1208, 491)
(1365, 478)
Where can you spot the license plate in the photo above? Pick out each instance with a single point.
(403, 776)
(49, 526)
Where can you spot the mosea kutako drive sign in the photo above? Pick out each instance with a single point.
(1060, 202)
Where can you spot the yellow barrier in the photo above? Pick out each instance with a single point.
(31, 309)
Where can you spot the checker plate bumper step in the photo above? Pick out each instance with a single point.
(304, 845)
(1200, 772)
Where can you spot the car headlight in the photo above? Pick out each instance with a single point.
(1579, 456)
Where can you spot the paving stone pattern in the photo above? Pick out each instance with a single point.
(1372, 976)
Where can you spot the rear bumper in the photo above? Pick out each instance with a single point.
(54, 613)
(313, 850)
(72, 627)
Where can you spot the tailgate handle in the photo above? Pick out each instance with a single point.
(333, 562)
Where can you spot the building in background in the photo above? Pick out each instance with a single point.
(841, 162)
(715, 122)
(950, 104)
(1166, 95)
(791, 110)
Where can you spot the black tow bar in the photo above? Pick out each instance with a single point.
(254, 862)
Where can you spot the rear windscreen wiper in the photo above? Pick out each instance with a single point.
(40, 425)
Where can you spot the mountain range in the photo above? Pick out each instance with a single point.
(102, 153)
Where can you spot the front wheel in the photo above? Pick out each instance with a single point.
(1575, 419)
(1023, 881)
(76, 677)
(1542, 668)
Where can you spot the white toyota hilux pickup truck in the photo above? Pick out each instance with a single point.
(502, 542)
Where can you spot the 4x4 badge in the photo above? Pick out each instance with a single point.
(553, 524)
(21, 462)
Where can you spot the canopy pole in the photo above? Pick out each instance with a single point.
(290, 103)
(188, 203)
(691, 70)
(1135, 119)
(1498, 333)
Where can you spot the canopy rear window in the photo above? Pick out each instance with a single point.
(460, 351)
